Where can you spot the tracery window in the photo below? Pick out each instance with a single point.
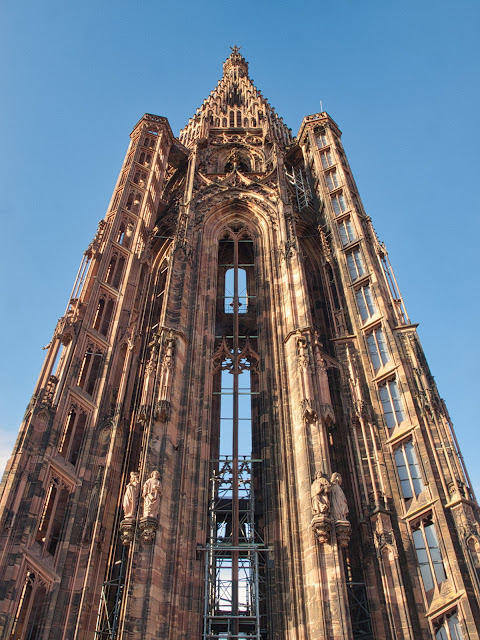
(52, 516)
(392, 404)
(448, 627)
(326, 159)
(124, 234)
(332, 180)
(90, 367)
(356, 266)
(378, 349)
(347, 231)
(408, 470)
(339, 204)
(428, 553)
(115, 269)
(231, 572)
(322, 139)
(103, 314)
(30, 608)
(72, 434)
(236, 336)
(365, 302)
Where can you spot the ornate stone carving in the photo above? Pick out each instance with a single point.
(383, 531)
(319, 491)
(343, 529)
(151, 496)
(302, 352)
(127, 531)
(321, 521)
(322, 525)
(130, 498)
(163, 410)
(337, 498)
(308, 409)
(148, 529)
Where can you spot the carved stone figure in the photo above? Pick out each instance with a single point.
(130, 497)
(151, 496)
(319, 492)
(338, 499)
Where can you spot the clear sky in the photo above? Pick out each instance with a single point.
(401, 79)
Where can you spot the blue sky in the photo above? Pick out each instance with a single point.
(400, 79)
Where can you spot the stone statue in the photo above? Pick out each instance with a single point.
(338, 499)
(151, 496)
(319, 492)
(130, 498)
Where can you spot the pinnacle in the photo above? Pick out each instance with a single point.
(235, 59)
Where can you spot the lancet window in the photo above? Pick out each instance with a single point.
(72, 434)
(140, 178)
(236, 355)
(133, 201)
(90, 368)
(232, 578)
(124, 234)
(30, 608)
(103, 314)
(53, 515)
(145, 159)
(115, 269)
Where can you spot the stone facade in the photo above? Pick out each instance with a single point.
(147, 498)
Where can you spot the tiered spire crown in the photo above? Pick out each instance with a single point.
(235, 103)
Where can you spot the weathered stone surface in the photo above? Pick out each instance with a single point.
(339, 383)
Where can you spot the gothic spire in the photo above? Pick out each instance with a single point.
(235, 103)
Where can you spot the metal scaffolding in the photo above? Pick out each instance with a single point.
(111, 600)
(359, 611)
(234, 554)
(302, 188)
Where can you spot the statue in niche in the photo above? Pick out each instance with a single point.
(319, 492)
(151, 496)
(338, 499)
(130, 497)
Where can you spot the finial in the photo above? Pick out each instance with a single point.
(235, 61)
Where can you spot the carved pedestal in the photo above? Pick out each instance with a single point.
(343, 529)
(127, 531)
(148, 529)
(322, 525)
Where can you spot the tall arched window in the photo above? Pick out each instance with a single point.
(234, 435)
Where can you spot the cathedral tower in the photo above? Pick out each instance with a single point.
(235, 433)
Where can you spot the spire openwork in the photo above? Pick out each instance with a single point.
(235, 103)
